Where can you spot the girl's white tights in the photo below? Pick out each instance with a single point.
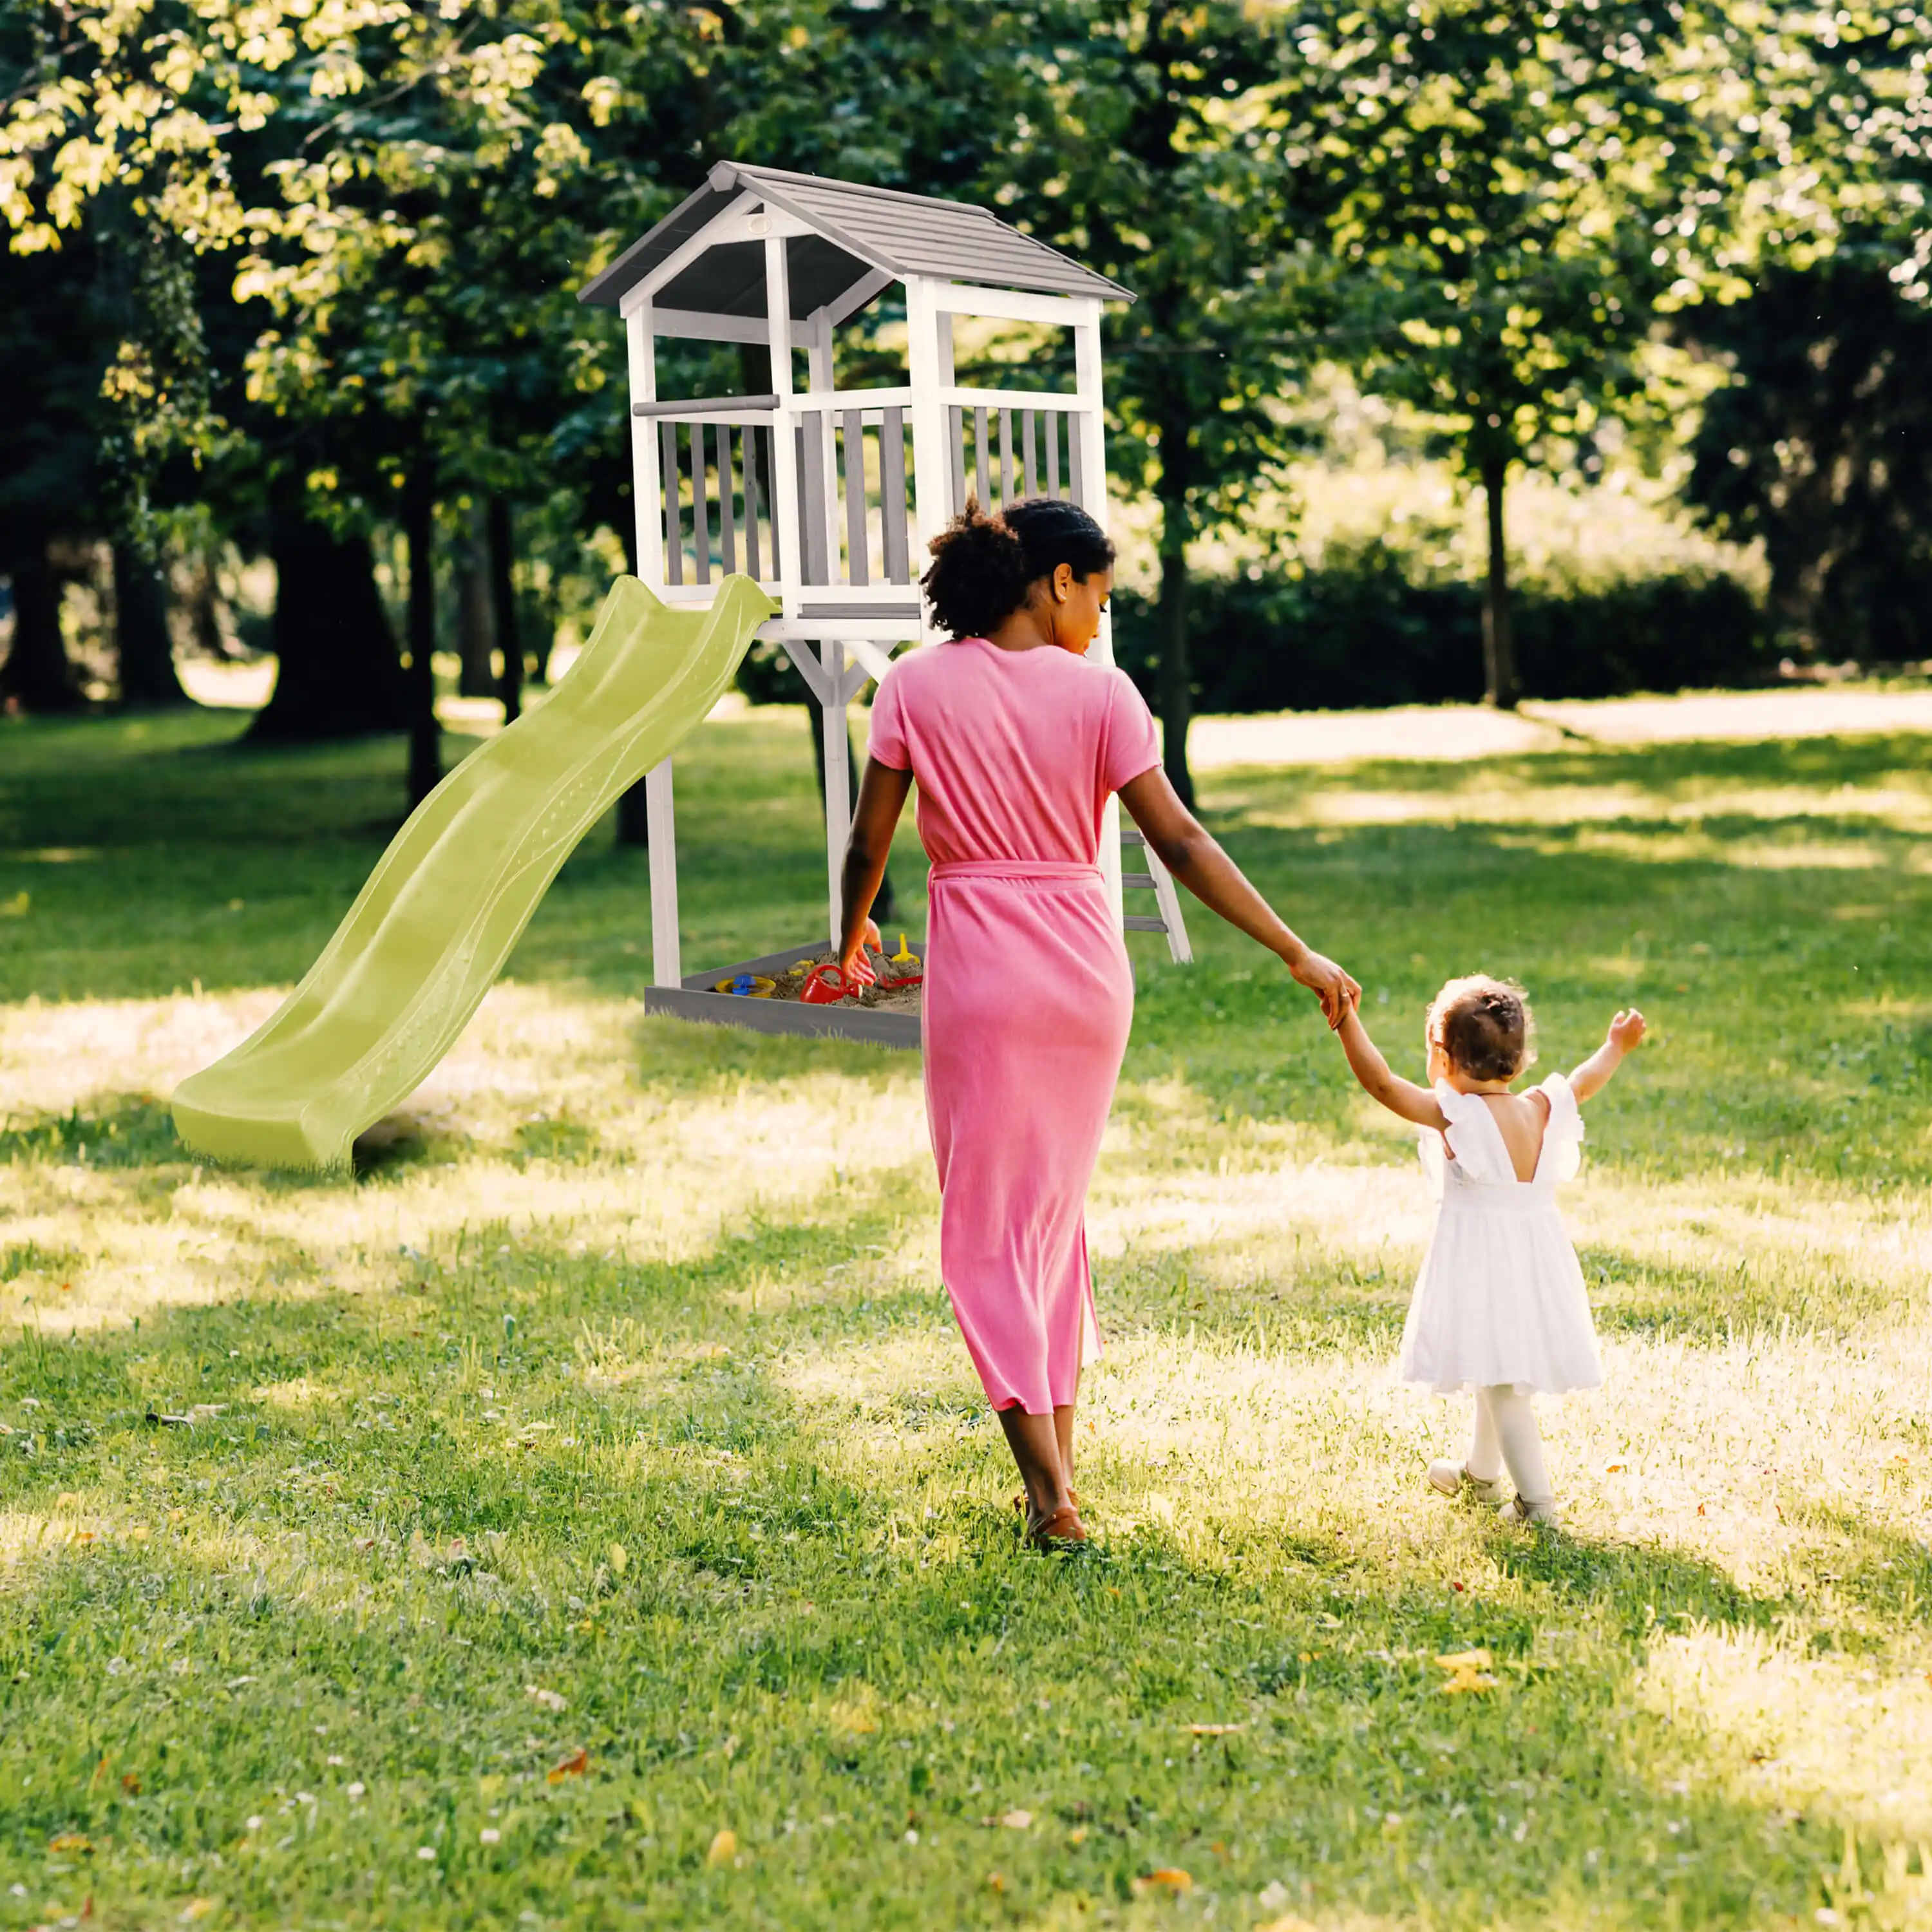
(1506, 1433)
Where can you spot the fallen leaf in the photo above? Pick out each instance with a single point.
(1078, 1836)
(724, 1848)
(197, 1908)
(1168, 1878)
(995, 1882)
(574, 1765)
(1216, 1730)
(1017, 1821)
(1616, 1468)
(70, 1841)
(551, 1700)
(619, 1559)
(1468, 1670)
(130, 1784)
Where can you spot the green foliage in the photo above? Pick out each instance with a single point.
(1820, 447)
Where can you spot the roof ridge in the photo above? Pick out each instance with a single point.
(756, 171)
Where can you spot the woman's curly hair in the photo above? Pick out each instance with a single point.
(984, 567)
(1485, 1026)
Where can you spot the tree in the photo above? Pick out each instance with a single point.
(1821, 448)
(1516, 193)
(1145, 156)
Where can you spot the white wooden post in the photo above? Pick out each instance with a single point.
(837, 779)
(818, 361)
(647, 481)
(783, 478)
(928, 369)
(647, 495)
(1089, 426)
(666, 965)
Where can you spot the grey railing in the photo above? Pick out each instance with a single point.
(1003, 455)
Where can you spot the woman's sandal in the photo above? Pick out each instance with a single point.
(1062, 1530)
(1020, 1501)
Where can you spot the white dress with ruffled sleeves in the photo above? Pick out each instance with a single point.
(1501, 1297)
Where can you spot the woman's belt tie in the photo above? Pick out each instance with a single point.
(1016, 869)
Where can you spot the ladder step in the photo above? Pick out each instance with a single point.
(1138, 882)
(1129, 836)
(1138, 923)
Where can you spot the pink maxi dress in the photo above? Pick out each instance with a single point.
(1028, 993)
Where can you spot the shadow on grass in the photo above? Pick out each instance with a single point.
(124, 1130)
(1635, 1294)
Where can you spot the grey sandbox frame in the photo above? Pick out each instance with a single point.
(694, 1000)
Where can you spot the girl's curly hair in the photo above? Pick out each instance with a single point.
(984, 567)
(1485, 1026)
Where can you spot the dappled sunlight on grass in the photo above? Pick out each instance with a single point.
(1848, 1736)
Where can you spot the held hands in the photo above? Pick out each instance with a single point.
(1626, 1030)
(857, 969)
(1337, 991)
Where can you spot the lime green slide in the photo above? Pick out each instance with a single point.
(431, 929)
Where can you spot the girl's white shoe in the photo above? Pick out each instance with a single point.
(1536, 1515)
(1452, 1479)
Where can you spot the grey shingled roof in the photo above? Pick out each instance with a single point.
(858, 229)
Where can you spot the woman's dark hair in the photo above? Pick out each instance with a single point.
(1484, 1026)
(984, 567)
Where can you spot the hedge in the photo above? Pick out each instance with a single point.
(1366, 634)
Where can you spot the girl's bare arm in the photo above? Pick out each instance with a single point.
(1400, 1096)
(1190, 852)
(882, 797)
(1626, 1030)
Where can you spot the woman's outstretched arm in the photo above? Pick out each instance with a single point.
(882, 797)
(1190, 851)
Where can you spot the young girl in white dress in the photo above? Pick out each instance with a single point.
(1500, 1305)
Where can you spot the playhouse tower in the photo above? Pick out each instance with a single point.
(828, 495)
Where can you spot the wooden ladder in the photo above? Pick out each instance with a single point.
(1160, 881)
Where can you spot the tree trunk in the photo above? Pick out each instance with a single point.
(425, 739)
(475, 627)
(338, 674)
(501, 537)
(633, 823)
(1499, 639)
(141, 635)
(1177, 673)
(37, 675)
(885, 902)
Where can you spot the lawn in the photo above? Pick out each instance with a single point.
(585, 1515)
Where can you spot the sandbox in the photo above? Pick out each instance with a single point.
(885, 1015)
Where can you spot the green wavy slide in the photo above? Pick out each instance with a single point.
(430, 931)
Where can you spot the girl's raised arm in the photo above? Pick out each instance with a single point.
(1593, 1075)
(1400, 1096)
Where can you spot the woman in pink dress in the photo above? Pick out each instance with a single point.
(1016, 742)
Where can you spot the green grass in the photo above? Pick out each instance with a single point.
(619, 1373)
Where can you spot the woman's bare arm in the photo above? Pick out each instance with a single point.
(1190, 852)
(882, 797)
(1398, 1096)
